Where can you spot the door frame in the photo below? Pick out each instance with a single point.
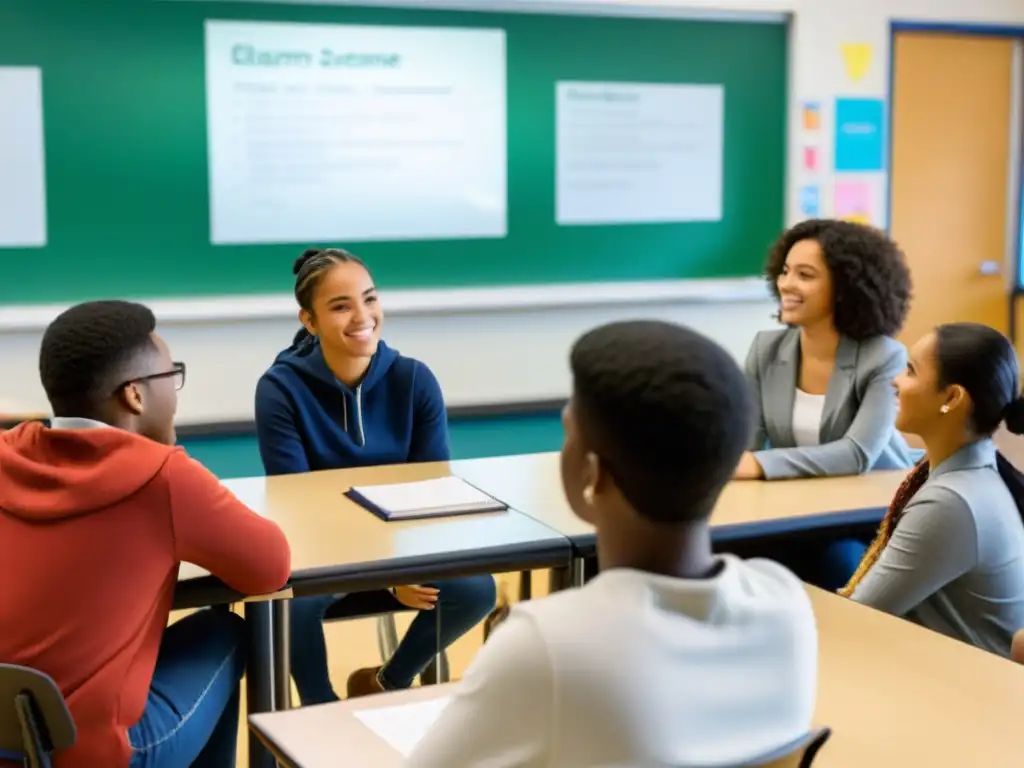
(1015, 187)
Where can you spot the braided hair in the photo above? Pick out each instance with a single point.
(309, 270)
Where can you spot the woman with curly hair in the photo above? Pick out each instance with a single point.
(823, 384)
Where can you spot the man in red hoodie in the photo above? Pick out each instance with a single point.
(97, 511)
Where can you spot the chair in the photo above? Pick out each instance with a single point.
(799, 754)
(34, 719)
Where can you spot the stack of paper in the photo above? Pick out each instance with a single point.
(426, 498)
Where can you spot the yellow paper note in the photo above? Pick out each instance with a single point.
(857, 60)
(857, 218)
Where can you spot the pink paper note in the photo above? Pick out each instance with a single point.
(853, 201)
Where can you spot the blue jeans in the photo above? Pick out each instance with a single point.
(838, 561)
(191, 716)
(461, 605)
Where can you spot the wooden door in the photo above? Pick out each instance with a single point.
(951, 159)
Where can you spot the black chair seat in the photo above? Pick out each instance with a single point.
(34, 718)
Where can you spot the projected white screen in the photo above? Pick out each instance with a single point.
(331, 133)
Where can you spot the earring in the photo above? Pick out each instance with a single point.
(588, 495)
(944, 409)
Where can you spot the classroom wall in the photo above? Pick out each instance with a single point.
(493, 357)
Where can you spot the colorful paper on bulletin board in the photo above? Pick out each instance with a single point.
(853, 201)
(860, 139)
(812, 116)
(810, 201)
(856, 60)
(812, 158)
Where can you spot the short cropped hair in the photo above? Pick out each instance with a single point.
(871, 285)
(91, 348)
(667, 411)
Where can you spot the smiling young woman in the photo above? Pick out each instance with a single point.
(823, 384)
(339, 397)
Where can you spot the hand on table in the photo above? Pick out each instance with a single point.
(420, 598)
(748, 468)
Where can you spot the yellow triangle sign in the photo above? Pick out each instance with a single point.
(857, 60)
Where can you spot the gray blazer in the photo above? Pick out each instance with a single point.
(955, 563)
(858, 430)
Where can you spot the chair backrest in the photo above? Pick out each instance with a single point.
(799, 754)
(26, 694)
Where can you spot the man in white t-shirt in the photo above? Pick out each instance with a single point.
(672, 656)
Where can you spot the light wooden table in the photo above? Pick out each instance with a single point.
(894, 694)
(532, 484)
(337, 546)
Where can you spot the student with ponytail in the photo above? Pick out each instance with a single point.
(339, 397)
(950, 551)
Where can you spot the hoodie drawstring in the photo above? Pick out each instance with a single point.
(359, 414)
(361, 436)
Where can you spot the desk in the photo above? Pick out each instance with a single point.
(893, 693)
(337, 546)
(12, 417)
(747, 509)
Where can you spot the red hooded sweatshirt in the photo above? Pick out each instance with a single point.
(93, 526)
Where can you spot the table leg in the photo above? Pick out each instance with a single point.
(525, 585)
(259, 674)
(559, 579)
(579, 571)
(282, 655)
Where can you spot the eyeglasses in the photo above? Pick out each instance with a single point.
(177, 371)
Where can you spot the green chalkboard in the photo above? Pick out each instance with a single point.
(126, 152)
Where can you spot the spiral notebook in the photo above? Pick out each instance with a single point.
(442, 497)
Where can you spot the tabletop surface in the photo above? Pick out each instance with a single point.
(893, 693)
(328, 531)
(532, 484)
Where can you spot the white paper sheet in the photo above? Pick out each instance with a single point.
(638, 152)
(403, 726)
(22, 166)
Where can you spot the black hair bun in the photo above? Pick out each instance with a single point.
(1013, 415)
(300, 262)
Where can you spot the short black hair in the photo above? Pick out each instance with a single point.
(667, 411)
(871, 285)
(982, 361)
(91, 348)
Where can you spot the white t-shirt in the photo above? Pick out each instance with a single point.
(807, 410)
(639, 670)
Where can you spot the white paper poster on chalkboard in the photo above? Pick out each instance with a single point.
(22, 165)
(341, 133)
(638, 152)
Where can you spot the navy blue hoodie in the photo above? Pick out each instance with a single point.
(308, 420)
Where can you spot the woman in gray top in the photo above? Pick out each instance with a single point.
(823, 384)
(950, 552)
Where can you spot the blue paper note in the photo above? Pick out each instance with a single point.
(810, 201)
(860, 135)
